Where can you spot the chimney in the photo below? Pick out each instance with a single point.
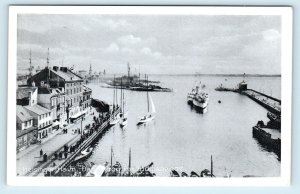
(29, 97)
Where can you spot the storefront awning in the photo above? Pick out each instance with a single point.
(55, 123)
(75, 116)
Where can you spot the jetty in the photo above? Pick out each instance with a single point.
(272, 104)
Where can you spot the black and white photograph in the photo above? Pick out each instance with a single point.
(199, 94)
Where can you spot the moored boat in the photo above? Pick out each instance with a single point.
(194, 174)
(174, 173)
(84, 154)
(97, 170)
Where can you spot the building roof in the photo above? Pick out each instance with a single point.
(23, 92)
(53, 91)
(86, 89)
(67, 75)
(25, 131)
(37, 109)
(23, 114)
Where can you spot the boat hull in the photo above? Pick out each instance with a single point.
(143, 121)
(201, 105)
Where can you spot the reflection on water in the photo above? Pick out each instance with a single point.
(181, 138)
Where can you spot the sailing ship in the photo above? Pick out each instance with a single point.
(115, 118)
(128, 171)
(113, 170)
(123, 113)
(150, 115)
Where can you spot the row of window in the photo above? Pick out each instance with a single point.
(45, 124)
(28, 123)
(54, 101)
(73, 91)
(73, 84)
(44, 115)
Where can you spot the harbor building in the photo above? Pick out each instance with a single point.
(26, 131)
(86, 100)
(27, 95)
(54, 100)
(62, 77)
(243, 86)
(42, 119)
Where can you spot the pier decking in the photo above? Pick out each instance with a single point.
(63, 163)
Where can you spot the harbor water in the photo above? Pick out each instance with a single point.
(184, 139)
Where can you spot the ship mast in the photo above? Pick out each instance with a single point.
(128, 69)
(129, 162)
(146, 78)
(114, 95)
(111, 153)
(30, 65)
(121, 97)
(48, 73)
(211, 166)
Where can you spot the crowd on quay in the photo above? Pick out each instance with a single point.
(85, 133)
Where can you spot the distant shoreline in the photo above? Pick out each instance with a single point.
(213, 75)
(224, 75)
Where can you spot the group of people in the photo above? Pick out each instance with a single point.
(65, 131)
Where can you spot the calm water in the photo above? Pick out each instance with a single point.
(182, 138)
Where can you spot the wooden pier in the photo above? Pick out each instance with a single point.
(64, 163)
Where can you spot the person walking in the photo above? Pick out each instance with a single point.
(45, 157)
(41, 153)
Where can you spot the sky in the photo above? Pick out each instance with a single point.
(155, 44)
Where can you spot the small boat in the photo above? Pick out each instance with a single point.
(128, 172)
(150, 115)
(96, 171)
(123, 114)
(84, 154)
(194, 174)
(144, 171)
(123, 122)
(183, 174)
(115, 118)
(174, 173)
(206, 173)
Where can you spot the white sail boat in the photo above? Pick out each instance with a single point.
(123, 114)
(150, 115)
(115, 118)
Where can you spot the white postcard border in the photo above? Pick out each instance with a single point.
(286, 93)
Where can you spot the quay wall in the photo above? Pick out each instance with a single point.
(263, 103)
(99, 130)
(275, 99)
